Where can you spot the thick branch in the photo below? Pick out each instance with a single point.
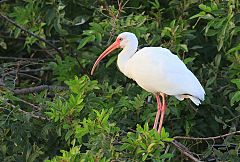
(207, 138)
(184, 150)
(37, 89)
(31, 33)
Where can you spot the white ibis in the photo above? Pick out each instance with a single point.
(156, 70)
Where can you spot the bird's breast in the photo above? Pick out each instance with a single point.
(148, 73)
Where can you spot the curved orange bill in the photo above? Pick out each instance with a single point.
(115, 45)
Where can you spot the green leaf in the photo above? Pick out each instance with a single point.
(235, 98)
(139, 128)
(124, 146)
(3, 44)
(155, 4)
(97, 27)
(66, 126)
(210, 81)
(17, 32)
(144, 157)
(237, 48)
(172, 24)
(166, 156)
(238, 109)
(58, 27)
(207, 17)
(212, 32)
(150, 147)
(218, 60)
(205, 8)
(188, 60)
(184, 47)
(218, 119)
(111, 60)
(237, 82)
(3, 149)
(200, 14)
(163, 134)
(68, 135)
(50, 15)
(146, 127)
(85, 40)
(98, 37)
(79, 20)
(167, 139)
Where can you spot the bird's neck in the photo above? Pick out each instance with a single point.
(124, 56)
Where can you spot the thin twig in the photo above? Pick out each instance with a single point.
(218, 90)
(115, 17)
(30, 104)
(29, 32)
(25, 59)
(32, 115)
(29, 70)
(16, 80)
(184, 150)
(10, 112)
(24, 38)
(207, 138)
(228, 120)
(167, 149)
(27, 113)
(1, 82)
(30, 76)
(37, 89)
(81, 67)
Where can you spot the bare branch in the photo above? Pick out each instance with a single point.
(29, 32)
(184, 150)
(37, 89)
(81, 67)
(25, 59)
(115, 17)
(30, 76)
(207, 138)
(29, 70)
(30, 104)
(32, 115)
(2, 35)
(27, 113)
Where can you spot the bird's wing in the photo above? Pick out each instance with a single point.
(156, 69)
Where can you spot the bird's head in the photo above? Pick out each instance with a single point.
(125, 39)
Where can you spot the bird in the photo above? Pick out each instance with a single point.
(156, 70)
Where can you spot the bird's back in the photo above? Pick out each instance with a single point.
(156, 69)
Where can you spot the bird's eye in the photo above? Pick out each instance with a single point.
(120, 39)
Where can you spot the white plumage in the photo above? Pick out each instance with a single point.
(156, 70)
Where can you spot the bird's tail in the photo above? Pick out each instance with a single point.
(195, 100)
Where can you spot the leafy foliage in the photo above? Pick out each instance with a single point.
(106, 117)
(146, 144)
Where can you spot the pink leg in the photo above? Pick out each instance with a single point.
(158, 112)
(164, 106)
